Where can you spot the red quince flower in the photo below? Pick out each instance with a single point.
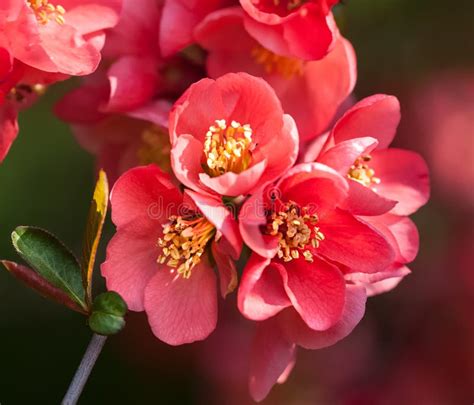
(301, 279)
(297, 280)
(311, 92)
(58, 38)
(230, 136)
(297, 28)
(159, 258)
(381, 179)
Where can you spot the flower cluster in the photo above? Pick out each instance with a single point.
(228, 124)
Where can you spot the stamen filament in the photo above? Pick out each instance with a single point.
(184, 241)
(296, 231)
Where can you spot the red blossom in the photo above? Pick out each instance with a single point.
(174, 283)
(237, 113)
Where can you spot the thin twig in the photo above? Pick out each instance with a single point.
(82, 374)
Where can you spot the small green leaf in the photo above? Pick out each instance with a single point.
(33, 280)
(95, 223)
(108, 313)
(51, 260)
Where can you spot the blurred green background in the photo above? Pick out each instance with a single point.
(47, 181)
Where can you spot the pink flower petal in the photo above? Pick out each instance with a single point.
(324, 85)
(312, 150)
(179, 19)
(271, 357)
(131, 262)
(343, 155)
(404, 177)
(297, 331)
(132, 81)
(144, 198)
(197, 110)
(235, 184)
(51, 47)
(383, 286)
(401, 232)
(377, 116)
(363, 200)
(182, 310)
(251, 218)
(88, 16)
(314, 185)
(6, 62)
(316, 290)
(261, 292)
(186, 156)
(354, 244)
(396, 270)
(311, 37)
(10, 9)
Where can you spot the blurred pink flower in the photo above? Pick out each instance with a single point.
(159, 258)
(230, 136)
(444, 115)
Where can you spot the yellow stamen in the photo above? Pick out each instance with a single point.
(155, 148)
(273, 63)
(46, 11)
(296, 231)
(227, 148)
(361, 172)
(184, 242)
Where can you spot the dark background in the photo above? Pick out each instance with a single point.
(415, 345)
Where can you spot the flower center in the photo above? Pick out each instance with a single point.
(296, 230)
(227, 148)
(46, 11)
(361, 172)
(273, 63)
(155, 148)
(184, 241)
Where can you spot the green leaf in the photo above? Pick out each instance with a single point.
(33, 280)
(108, 313)
(51, 260)
(95, 224)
